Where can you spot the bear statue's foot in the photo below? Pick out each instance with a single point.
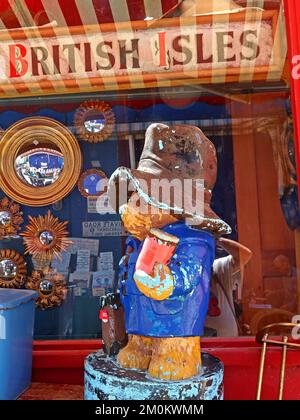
(175, 358)
(137, 354)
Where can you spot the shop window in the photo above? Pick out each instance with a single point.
(241, 102)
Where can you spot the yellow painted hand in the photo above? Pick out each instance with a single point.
(159, 285)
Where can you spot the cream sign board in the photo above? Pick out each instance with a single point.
(139, 52)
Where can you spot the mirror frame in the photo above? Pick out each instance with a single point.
(49, 223)
(80, 183)
(19, 279)
(16, 214)
(80, 117)
(58, 294)
(51, 132)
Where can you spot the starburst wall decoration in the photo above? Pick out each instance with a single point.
(50, 286)
(10, 218)
(46, 237)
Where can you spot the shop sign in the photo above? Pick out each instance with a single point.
(103, 228)
(137, 54)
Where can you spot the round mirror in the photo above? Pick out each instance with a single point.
(39, 167)
(5, 218)
(8, 269)
(92, 183)
(46, 287)
(94, 121)
(46, 237)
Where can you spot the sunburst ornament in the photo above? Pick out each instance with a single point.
(94, 121)
(12, 269)
(10, 218)
(46, 237)
(50, 286)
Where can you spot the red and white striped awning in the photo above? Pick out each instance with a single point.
(45, 28)
(28, 13)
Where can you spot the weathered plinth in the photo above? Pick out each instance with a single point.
(105, 379)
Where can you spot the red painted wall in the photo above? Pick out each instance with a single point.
(63, 362)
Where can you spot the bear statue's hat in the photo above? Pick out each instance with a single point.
(174, 153)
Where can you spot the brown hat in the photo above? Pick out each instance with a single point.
(183, 156)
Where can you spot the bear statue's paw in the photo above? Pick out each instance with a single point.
(176, 358)
(137, 353)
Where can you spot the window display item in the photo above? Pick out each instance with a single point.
(113, 324)
(50, 286)
(10, 218)
(94, 121)
(165, 274)
(17, 320)
(12, 269)
(46, 236)
(92, 183)
(264, 336)
(40, 161)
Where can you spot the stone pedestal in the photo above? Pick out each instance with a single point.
(105, 379)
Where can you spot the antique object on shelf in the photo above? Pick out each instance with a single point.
(40, 161)
(94, 121)
(50, 286)
(12, 269)
(10, 217)
(46, 236)
(92, 183)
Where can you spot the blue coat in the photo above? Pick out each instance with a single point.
(183, 313)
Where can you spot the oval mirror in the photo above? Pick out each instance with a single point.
(5, 218)
(92, 183)
(8, 269)
(46, 287)
(46, 237)
(39, 166)
(94, 121)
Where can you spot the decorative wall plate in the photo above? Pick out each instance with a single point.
(10, 217)
(92, 183)
(12, 269)
(94, 121)
(50, 286)
(46, 236)
(40, 161)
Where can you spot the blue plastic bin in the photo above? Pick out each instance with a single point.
(16, 336)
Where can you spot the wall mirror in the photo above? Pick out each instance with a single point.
(94, 121)
(10, 218)
(12, 269)
(50, 286)
(92, 183)
(40, 161)
(46, 236)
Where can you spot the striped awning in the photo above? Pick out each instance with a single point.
(58, 46)
(29, 13)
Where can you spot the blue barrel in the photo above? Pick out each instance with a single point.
(16, 337)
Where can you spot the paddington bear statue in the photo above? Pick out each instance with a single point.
(165, 274)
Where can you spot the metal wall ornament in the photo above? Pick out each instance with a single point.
(12, 269)
(94, 121)
(46, 236)
(50, 286)
(92, 183)
(10, 218)
(40, 161)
